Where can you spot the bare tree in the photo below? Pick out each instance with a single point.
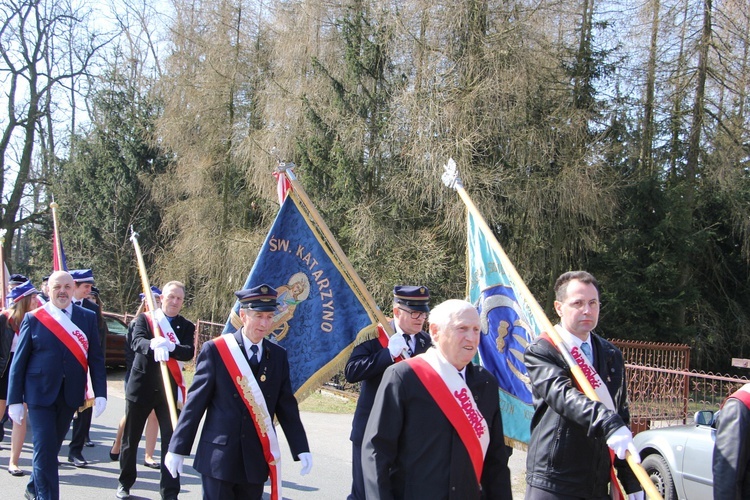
(32, 47)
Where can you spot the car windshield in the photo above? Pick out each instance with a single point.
(115, 326)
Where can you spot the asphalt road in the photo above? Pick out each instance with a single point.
(329, 442)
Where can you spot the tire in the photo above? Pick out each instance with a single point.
(658, 470)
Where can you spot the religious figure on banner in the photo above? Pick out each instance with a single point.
(292, 294)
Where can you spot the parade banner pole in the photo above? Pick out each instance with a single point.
(56, 266)
(340, 255)
(453, 181)
(165, 376)
(3, 278)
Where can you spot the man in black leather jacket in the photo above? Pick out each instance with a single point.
(732, 451)
(568, 454)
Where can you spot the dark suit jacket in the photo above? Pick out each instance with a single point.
(42, 362)
(144, 384)
(93, 306)
(366, 364)
(411, 450)
(229, 448)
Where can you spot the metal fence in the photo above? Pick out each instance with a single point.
(204, 330)
(662, 388)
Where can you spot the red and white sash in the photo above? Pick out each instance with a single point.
(244, 380)
(383, 339)
(67, 332)
(175, 367)
(453, 396)
(602, 393)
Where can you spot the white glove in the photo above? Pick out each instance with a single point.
(170, 345)
(621, 441)
(173, 462)
(158, 342)
(638, 495)
(306, 459)
(161, 354)
(396, 345)
(100, 404)
(16, 412)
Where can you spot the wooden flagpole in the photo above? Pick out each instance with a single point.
(165, 376)
(340, 255)
(452, 180)
(56, 266)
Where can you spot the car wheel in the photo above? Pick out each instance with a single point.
(658, 470)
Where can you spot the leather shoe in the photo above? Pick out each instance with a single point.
(122, 492)
(89, 444)
(29, 495)
(78, 461)
(152, 465)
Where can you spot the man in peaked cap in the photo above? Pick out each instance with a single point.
(44, 291)
(84, 281)
(241, 383)
(368, 361)
(145, 390)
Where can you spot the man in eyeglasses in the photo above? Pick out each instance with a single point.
(368, 361)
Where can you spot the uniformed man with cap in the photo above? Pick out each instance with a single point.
(368, 361)
(241, 383)
(44, 290)
(84, 281)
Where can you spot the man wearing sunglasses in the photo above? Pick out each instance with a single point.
(368, 361)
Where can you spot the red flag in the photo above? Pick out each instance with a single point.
(59, 263)
(283, 186)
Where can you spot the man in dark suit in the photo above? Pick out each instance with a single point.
(56, 345)
(241, 382)
(145, 389)
(84, 281)
(435, 430)
(368, 361)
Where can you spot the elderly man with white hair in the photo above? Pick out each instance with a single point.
(435, 429)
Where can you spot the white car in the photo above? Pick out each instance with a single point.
(679, 458)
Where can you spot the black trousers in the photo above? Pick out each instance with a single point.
(216, 489)
(358, 481)
(136, 415)
(81, 427)
(540, 494)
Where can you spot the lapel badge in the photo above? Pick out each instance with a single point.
(263, 378)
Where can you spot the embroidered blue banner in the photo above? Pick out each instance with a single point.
(320, 315)
(507, 328)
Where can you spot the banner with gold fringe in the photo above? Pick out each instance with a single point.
(321, 312)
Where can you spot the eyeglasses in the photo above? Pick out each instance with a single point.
(414, 314)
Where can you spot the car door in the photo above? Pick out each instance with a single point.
(697, 476)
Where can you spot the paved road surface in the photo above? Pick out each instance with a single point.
(329, 441)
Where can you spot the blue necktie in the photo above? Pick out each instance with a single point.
(254, 363)
(586, 348)
(408, 348)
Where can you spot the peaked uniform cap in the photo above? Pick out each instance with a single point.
(82, 275)
(258, 298)
(413, 297)
(21, 291)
